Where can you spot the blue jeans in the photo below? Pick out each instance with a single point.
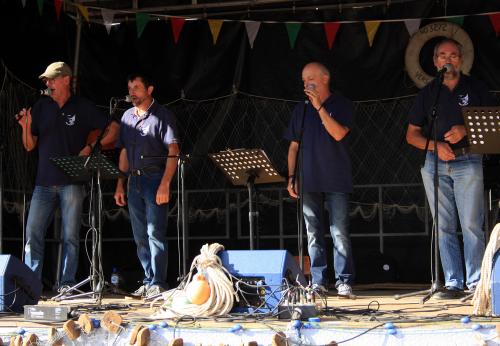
(149, 225)
(460, 191)
(337, 205)
(43, 205)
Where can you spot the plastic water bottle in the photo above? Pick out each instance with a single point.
(115, 277)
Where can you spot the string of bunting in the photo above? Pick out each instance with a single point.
(252, 27)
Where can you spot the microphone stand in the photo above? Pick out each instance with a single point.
(436, 284)
(298, 173)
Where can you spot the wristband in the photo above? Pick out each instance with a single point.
(320, 108)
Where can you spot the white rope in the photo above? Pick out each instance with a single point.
(482, 294)
(222, 294)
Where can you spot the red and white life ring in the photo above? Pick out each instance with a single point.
(418, 40)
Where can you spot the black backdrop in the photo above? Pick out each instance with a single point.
(204, 70)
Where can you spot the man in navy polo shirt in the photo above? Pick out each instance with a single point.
(58, 125)
(148, 129)
(460, 173)
(326, 171)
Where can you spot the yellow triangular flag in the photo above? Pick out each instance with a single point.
(215, 26)
(371, 28)
(84, 11)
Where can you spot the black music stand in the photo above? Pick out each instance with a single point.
(247, 167)
(79, 169)
(482, 125)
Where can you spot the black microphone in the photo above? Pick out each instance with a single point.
(446, 68)
(44, 92)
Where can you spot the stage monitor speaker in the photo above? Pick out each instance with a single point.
(19, 286)
(263, 275)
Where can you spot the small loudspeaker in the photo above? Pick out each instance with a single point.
(19, 286)
(263, 276)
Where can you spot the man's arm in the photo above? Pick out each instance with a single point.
(120, 184)
(163, 193)
(110, 136)
(25, 120)
(415, 137)
(292, 158)
(332, 126)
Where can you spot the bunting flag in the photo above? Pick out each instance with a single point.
(412, 25)
(495, 21)
(107, 18)
(215, 26)
(293, 31)
(252, 30)
(331, 29)
(177, 25)
(456, 20)
(40, 6)
(58, 6)
(84, 11)
(371, 28)
(24, 3)
(141, 20)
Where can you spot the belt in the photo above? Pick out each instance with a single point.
(462, 151)
(145, 170)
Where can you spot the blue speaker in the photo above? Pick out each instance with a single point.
(263, 276)
(19, 286)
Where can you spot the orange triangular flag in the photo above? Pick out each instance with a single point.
(371, 28)
(84, 11)
(215, 26)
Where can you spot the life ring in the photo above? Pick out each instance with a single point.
(437, 29)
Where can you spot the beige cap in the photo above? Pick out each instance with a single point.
(56, 69)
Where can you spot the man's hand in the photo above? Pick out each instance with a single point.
(455, 134)
(163, 194)
(85, 151)
(313, 96)
(119, 196)
(24, 118)
(445, 152)
(292, 189)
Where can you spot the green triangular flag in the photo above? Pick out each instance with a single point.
(456, 20)
(293, 31)
(40, 6)
(141, 19)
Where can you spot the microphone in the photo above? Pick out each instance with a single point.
(446, 68)
(127, 99)
(46, 92)
(310, 86)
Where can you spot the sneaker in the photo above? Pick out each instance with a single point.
(319, 289)
(344, 290)
(449, 292)
(471, 290)
(154, 291)
(140, 292)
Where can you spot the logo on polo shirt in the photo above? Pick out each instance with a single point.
(463, 100)
(144, 130)
(70, 119)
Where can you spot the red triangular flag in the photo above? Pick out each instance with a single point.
(331, 29)
(177, 24)
(495, 21)
(58, 5)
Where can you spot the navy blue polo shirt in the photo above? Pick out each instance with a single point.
(327, 165)
(468, 92)
(149, 134)
(62, 132)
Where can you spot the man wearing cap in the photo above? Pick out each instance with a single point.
(58, 125)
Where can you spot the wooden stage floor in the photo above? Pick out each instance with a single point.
(372, 309)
